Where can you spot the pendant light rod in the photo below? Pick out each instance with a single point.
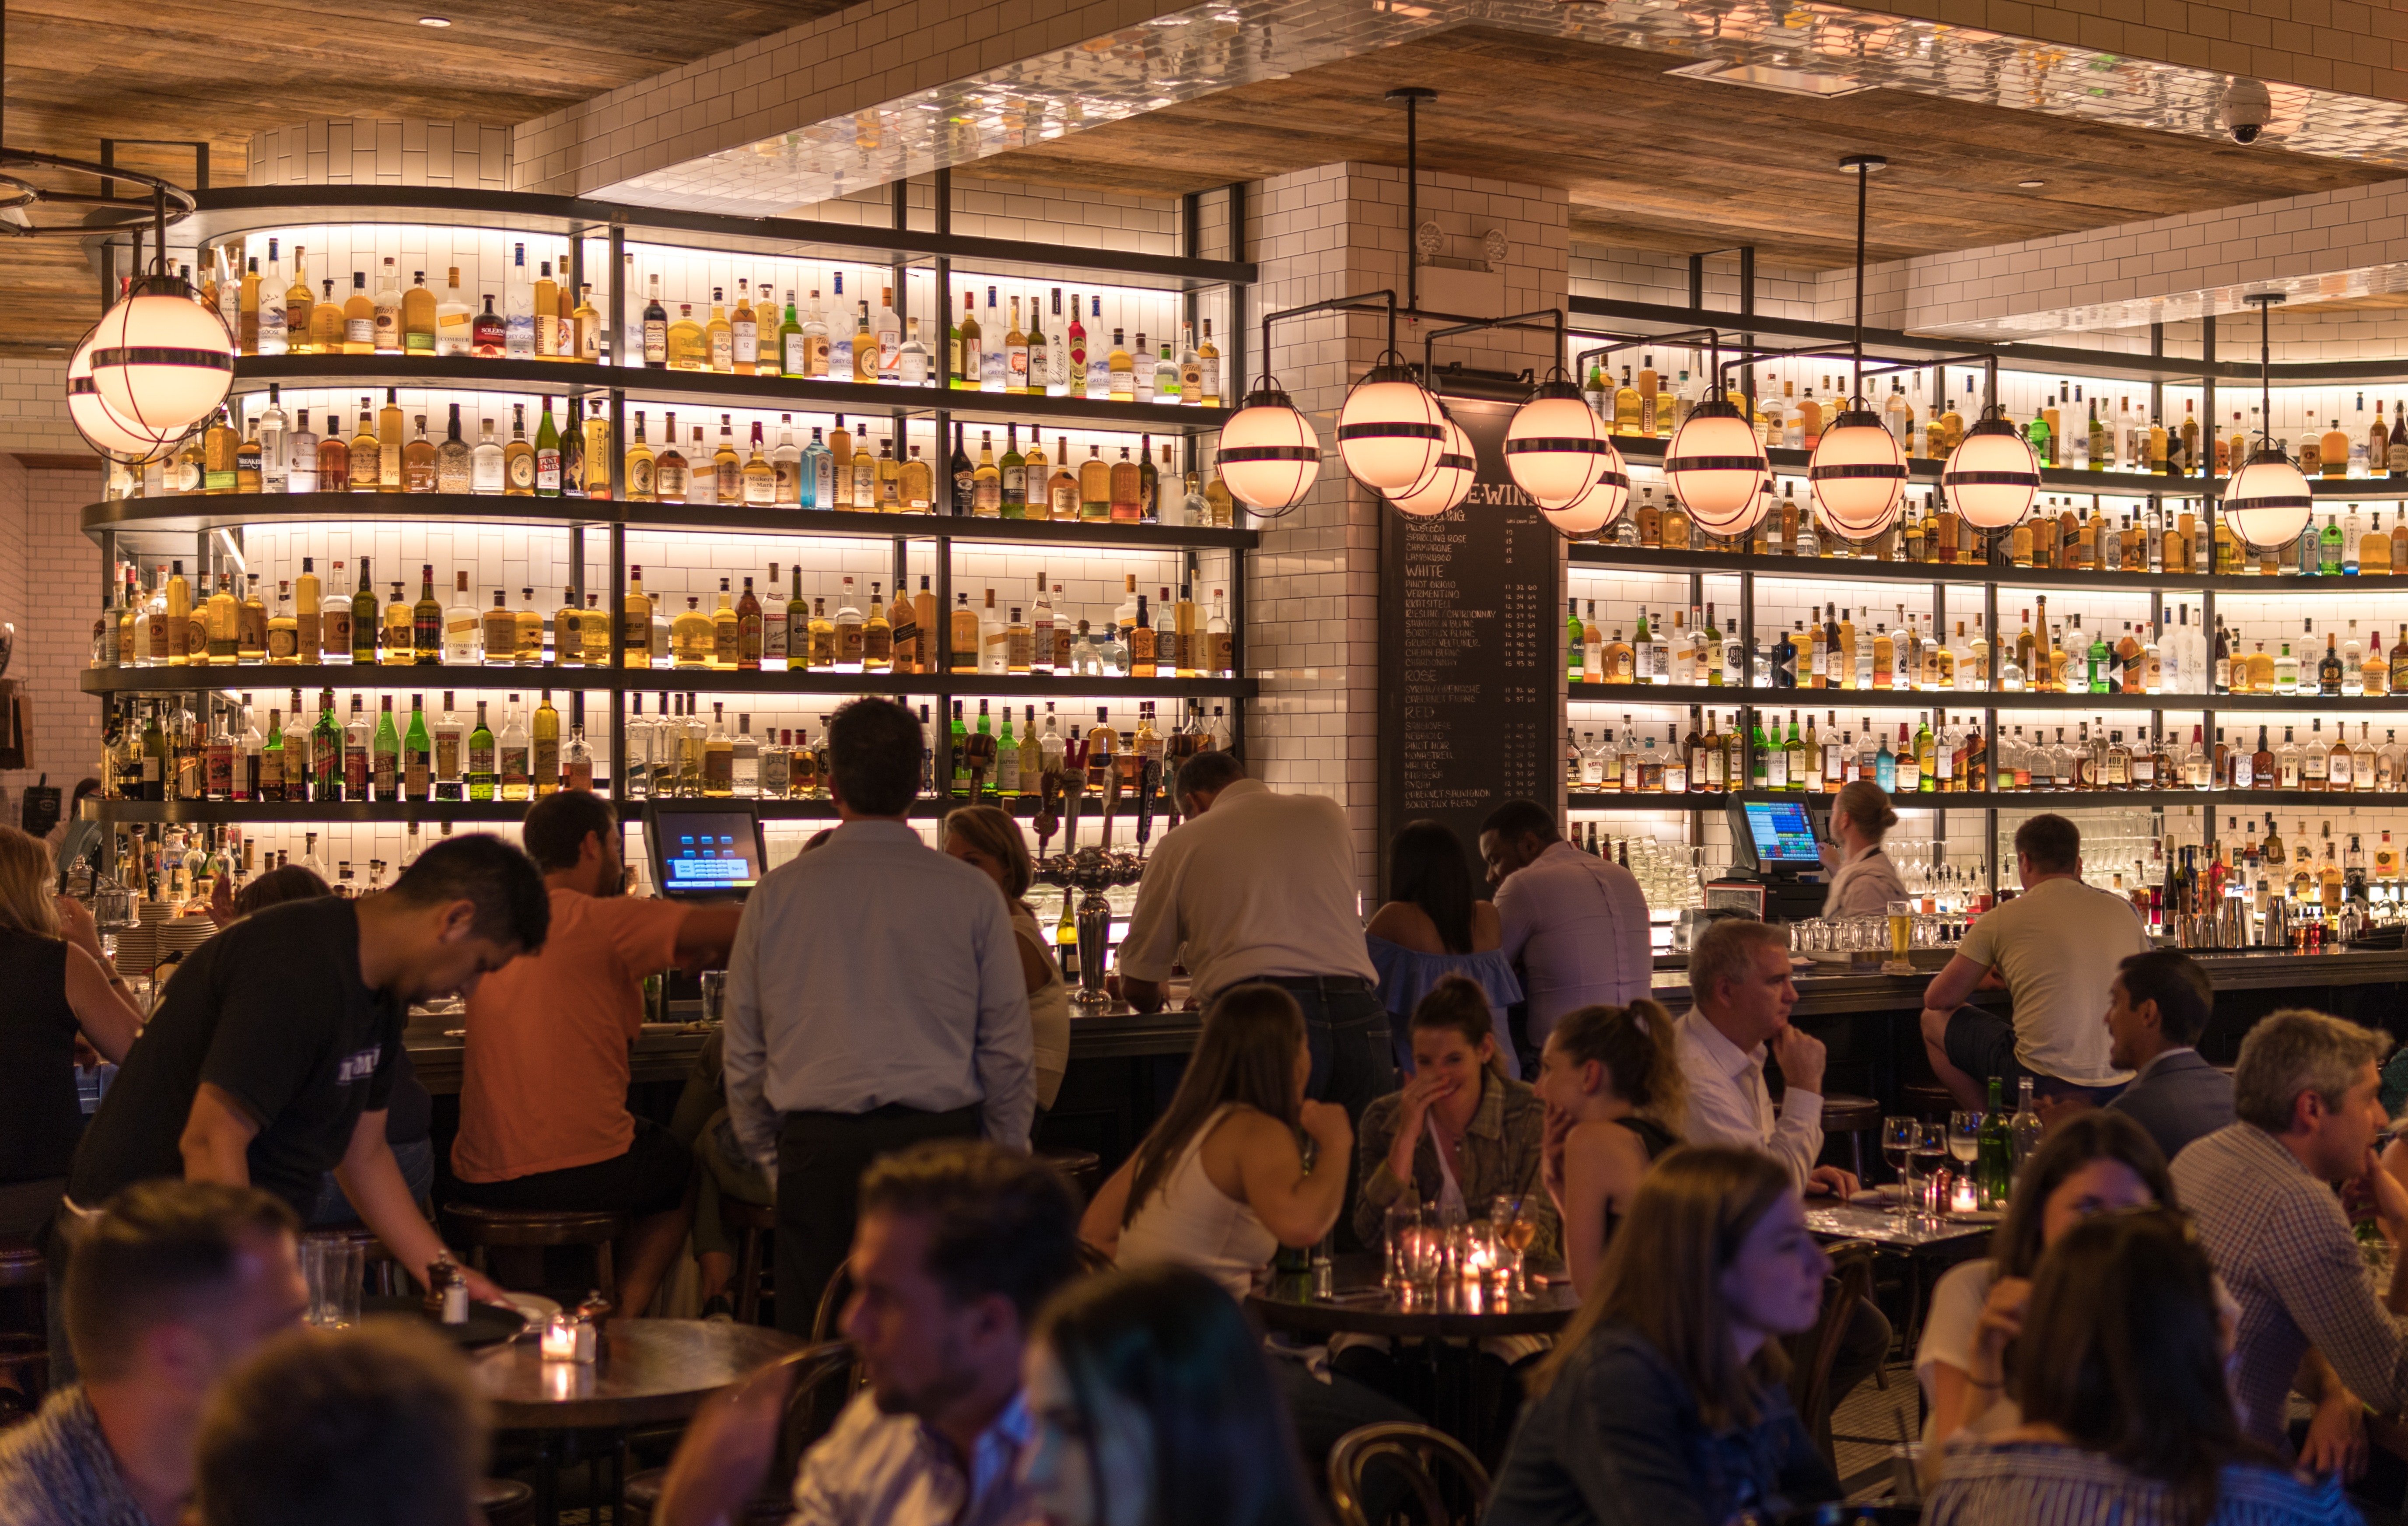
(1864, 164)
(2265, 301)
(1412, 95)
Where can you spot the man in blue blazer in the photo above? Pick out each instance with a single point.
(2157, 1005)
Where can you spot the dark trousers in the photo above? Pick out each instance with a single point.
(821, 1157)
(1346, 1028)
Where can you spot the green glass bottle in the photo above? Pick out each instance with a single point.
(2103, 658)
(546, 455)
(2328, 548)
(482, 778)
(791, 359)
(272, 767)
(960, 734)
(384, 753)
(363, 618)
(417, 753)
(1994, 1155)
(1575, 642)
(1759, 770)
(1794, 750)
(326, 749)
(1013, 472)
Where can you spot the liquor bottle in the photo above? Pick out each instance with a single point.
(544, 748)
(547, 453)
(488, 333)
(514, 755)
(518, 457)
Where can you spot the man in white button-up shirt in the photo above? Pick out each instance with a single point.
(1574, 924)
(1741, 996)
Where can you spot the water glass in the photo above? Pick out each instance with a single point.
(1402, 1218)
(333, 1267)
(1425, 1258)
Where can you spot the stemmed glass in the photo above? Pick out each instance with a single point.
(1931, 1148)
(1514, 1220)
(1964, 1139)
(1898, 1138)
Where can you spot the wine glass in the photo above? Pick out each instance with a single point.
(1931, 1148)
(1965, 1139)
(1514, 1220)
(1898, 1139)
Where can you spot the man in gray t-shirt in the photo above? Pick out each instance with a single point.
(2057, 948)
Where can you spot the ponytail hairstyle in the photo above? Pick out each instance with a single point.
(1458, 1005)
(1634, 1043)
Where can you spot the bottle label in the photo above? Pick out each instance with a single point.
(547, 470)
(359, 331)
(522, 473)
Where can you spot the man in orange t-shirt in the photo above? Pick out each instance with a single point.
(543, 1098)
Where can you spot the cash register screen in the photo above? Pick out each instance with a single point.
(1782, 833)
(706, 852)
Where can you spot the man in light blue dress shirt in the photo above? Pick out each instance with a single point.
(874, 999)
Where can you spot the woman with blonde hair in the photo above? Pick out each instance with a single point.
(1615, 1097)
(988, 840)
(1663, 1404)
(1863, 882)
(58, 986)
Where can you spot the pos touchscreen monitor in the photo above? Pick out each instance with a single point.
(704, 850)
(1781, 834)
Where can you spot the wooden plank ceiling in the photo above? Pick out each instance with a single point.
(1655, 161)
(219, 70)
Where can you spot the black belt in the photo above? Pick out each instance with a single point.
(1320, 985)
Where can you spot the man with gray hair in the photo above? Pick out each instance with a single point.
(2260, 1191)
(1739, 997)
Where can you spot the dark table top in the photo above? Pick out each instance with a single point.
(651, 1372)
(1362, 1306)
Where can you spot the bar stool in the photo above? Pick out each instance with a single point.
(1926, 1099)
(1854, 1116)
(752, 1226)
(479, 1229)
(506, 1502)
(25, 1358)
(1083, 1169)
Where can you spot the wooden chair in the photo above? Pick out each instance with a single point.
(819, 1385)
(27, 1359)
(479, 1230)
(1083, 1169)
(1410, 1450)
(753, 1227)
(1814, 1354)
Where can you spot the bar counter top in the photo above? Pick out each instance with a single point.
(665, 1052)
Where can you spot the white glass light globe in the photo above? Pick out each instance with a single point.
(1448, 482)
(1605, 501)
(1270, 456)
(1715, 464)
(162, 361)
(100, 424)
(2268, 503)
(1390, 430)
(1554, 446)
(1859, 534)
(1857, 471)
(1991, 477)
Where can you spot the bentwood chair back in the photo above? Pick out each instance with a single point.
(819, 1379)
(1850, 1283)
(1418, 1456)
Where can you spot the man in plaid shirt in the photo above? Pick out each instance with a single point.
(2260, 1190)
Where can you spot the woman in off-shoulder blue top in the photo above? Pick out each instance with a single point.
(1434, 925)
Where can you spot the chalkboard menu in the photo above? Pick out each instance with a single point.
(1468, 667)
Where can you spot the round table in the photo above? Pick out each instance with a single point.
(651, 1372)
(1445, 1330)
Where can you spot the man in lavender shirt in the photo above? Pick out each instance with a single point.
(1576, 924)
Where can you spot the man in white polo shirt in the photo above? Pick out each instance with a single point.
(2057, 947)
(1258, 885)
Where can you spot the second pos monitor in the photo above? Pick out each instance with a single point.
(704, 850)
(1778, 841)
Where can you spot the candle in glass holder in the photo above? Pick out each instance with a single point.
(559, 1338)
(1962, 1197)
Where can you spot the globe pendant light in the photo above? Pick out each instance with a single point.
(1605, 501)
(1448, 482)
(2268, 502)
(1992, 476)
(1270, 456)
(99, 424)
(1391, 430)
(1857, 471)
(1715, 466)
(1556, 445)
(160, 360)
(1857, 474)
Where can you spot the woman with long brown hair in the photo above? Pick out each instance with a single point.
(1610, 1080)
(1220, 1182)
(59, 987)
(2127, 1417)
(1663, 1404)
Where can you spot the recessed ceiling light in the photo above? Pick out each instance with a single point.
(435, 21)
(1785, 81)
(2029, 185)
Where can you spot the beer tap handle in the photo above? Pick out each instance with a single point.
(1149, 780)
(1074, 792)
(1111, 806)
(1049, 808)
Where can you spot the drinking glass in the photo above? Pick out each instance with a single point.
(1902, 919)
(1898, 1139)
(1513, 1218)
(1425, 1256)
(1965, 1136)
(1931, 1148)
(333, 1268)
(1403, 1217)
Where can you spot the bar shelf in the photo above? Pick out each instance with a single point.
(1599, 556)
(2228, 800)
(370, 676)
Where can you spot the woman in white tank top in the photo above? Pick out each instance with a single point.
(1220, 1182)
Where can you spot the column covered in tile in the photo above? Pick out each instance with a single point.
(382, 150)
(1312, 627)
